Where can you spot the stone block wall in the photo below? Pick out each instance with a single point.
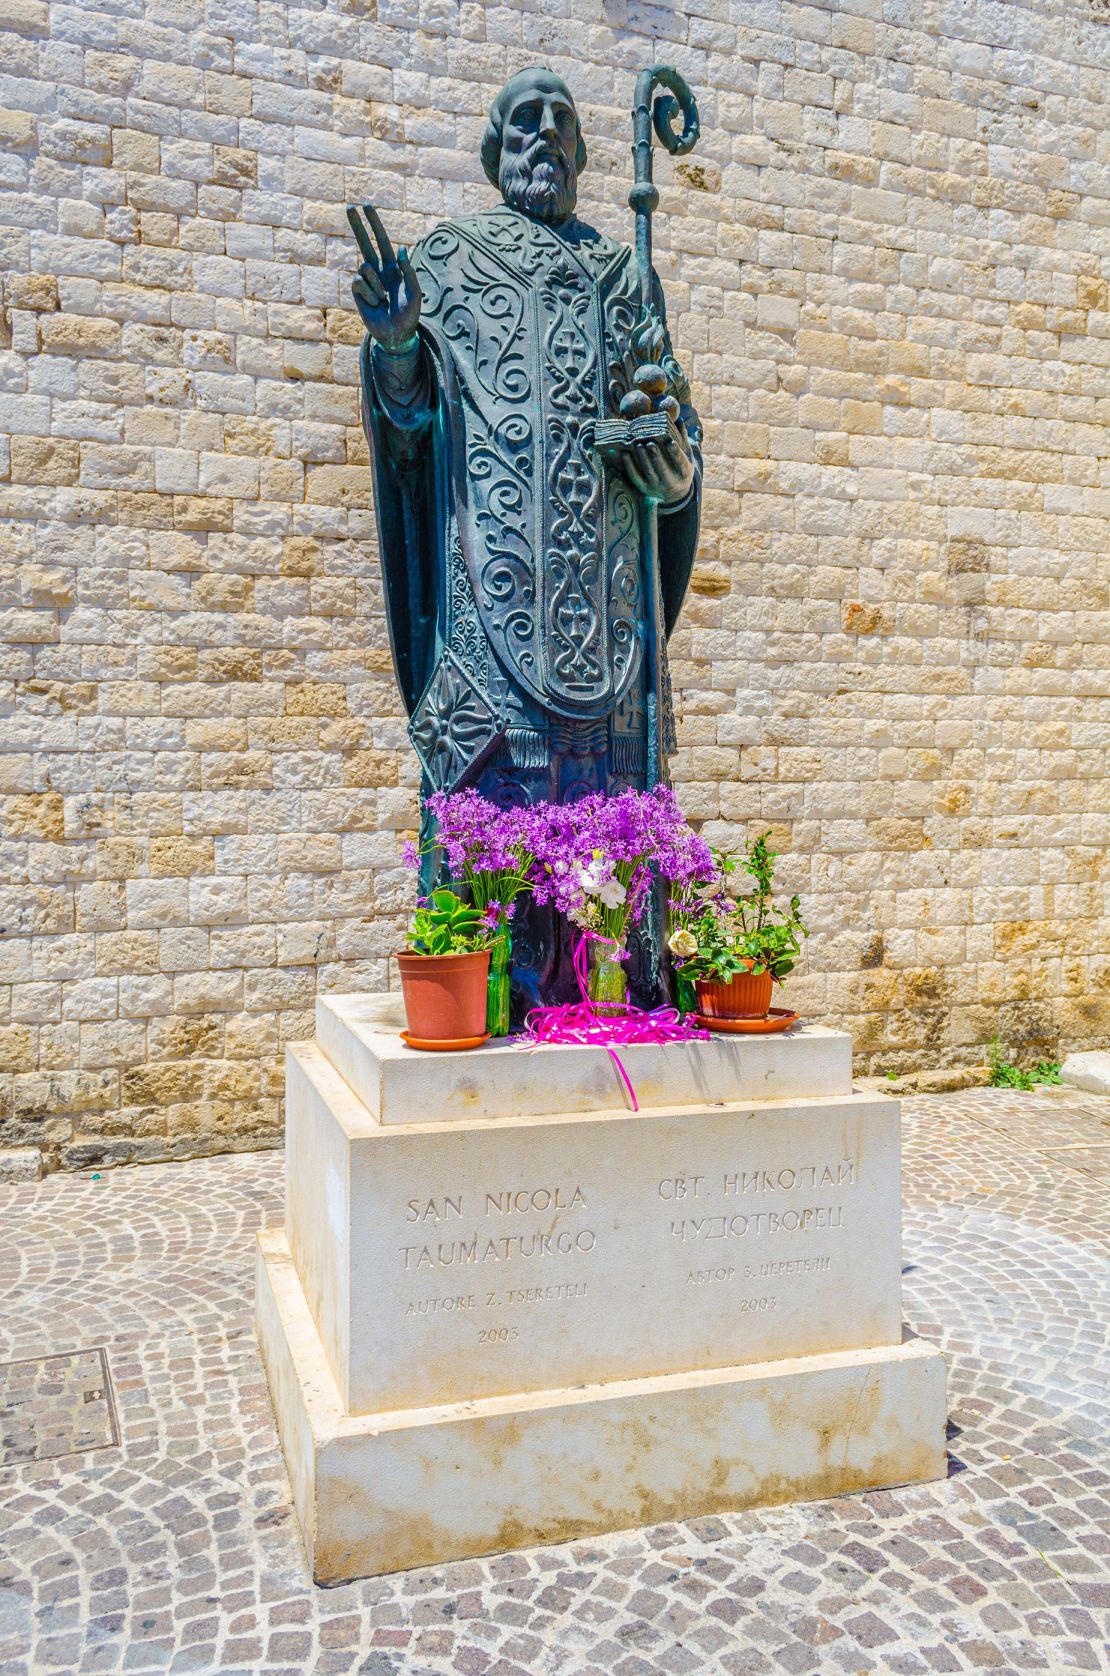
(887, 263)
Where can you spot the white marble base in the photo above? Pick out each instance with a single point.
(396, 1084)
(506, 1309)
(506, 1255)
(424, 1486)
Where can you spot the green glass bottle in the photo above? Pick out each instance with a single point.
(499, 983)
(608, 980)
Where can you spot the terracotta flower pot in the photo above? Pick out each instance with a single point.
(747, 995)
(445, 994)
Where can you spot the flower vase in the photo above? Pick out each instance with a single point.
(499, 983)
(608, 980)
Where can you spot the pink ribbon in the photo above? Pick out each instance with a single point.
(582, 1025)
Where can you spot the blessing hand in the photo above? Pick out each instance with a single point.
(386, 290)
(660, 471)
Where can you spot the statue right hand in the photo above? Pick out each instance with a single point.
(386, 290)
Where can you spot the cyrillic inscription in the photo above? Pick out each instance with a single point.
(796, 1265)
(757, 1222)
(734, 1184)
(741, 1182)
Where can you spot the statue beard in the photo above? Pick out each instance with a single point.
(540, 182)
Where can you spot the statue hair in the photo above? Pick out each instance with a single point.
(490, 153)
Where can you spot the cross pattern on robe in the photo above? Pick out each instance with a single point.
(577, 619)
(576, 482)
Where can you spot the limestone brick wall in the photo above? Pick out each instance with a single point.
(887, 264)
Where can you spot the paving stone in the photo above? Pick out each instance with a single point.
(170, 1544)
(55, 1405)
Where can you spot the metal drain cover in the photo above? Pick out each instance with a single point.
(56, 1405)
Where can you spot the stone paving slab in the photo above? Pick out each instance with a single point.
(176, 1550)
(55, 1405)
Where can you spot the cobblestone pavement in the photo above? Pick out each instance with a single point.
(176, 1549)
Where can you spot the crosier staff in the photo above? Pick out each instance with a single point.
(643, 196)
(650, 411)
(651, 414)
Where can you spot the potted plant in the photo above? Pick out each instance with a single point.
(489, 852)
(736, 949)
(444, 972)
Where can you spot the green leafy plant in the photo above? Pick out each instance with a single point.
(1005, 1075)
(718, 936)
(445, 924)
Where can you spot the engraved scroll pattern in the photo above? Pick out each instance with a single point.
(478, 309)
(558, 595)
(574, 613)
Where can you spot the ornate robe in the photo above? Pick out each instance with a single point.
(511, 552)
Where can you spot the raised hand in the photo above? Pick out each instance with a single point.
(386, 290)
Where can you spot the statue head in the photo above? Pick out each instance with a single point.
(533, 149)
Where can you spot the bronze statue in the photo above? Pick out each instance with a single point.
(533, 569)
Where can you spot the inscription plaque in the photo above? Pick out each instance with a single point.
(530, 1255)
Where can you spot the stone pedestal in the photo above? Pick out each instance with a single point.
(505, 1309)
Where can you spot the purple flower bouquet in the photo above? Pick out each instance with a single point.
(492, 852)
(598, 856)
(593, 859)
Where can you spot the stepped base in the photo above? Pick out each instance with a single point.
(422, 1486)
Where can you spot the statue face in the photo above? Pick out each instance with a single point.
(539, 144)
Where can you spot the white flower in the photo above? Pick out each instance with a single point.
(683, 943)
(612, 894)
(596, 880)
